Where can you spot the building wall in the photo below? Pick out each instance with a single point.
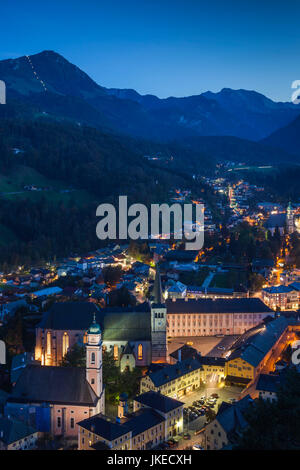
(127, 361)
(212, 369)
(239, 368)
(215, 438)
(174, 388)
(148, 439)
(265, 395)
(208, 324)
(68, 417)
(282, 301)
(87, 438)
(26, 443)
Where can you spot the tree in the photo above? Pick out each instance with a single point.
(112, 275)
(256, 281)
(121, 298)
(275, 425)
(75, 357)
(117, 382)
(13, 334)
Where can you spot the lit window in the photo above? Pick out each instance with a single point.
(65, 344)
(49, 343)
(140, 352)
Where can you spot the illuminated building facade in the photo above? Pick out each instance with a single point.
(155, 419)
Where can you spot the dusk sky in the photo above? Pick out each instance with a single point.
(178, 47)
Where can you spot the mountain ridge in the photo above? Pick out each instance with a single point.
(71, 93)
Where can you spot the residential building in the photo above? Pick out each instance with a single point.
(155, 419)
(16, 435)
(229, 423)
(282, 297)
(257, 350)
(174, 380)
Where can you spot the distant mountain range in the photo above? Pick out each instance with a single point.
(46, 84)
(286, 138)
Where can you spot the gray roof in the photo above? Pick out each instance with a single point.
(268, 383)
(231, 416)
(104, 427)
(117, 323)
(278, 289)
(246, 305)
(19, 362)
(12, 430)
(157, 289)
(134, 423)
(186, 351)
(158, 402)
(47, 384)
(171, 372)
(253, 345)
(69, 316)
(276, 220)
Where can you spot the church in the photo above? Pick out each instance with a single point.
(55, 399)
(135, 335)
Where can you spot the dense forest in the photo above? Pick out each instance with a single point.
(38, 226)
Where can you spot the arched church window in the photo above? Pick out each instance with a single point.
(65, 343)
(49, 343)
(140, 352)
(93, 359)
(116, 352)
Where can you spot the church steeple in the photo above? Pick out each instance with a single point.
(94, 358)
(157, 289)
(290, 218)
(158, 322)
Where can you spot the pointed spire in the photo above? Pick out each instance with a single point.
(157, 289)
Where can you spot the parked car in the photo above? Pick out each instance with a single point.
(197, 447)
(172, 443)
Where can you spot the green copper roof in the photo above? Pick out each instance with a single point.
(95, 327)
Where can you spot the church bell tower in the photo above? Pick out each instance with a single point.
(158, 322)
(94, 362)
(290, 218)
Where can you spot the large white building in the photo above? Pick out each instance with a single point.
(208, 317)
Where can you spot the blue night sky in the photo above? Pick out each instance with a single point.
(178, 47)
